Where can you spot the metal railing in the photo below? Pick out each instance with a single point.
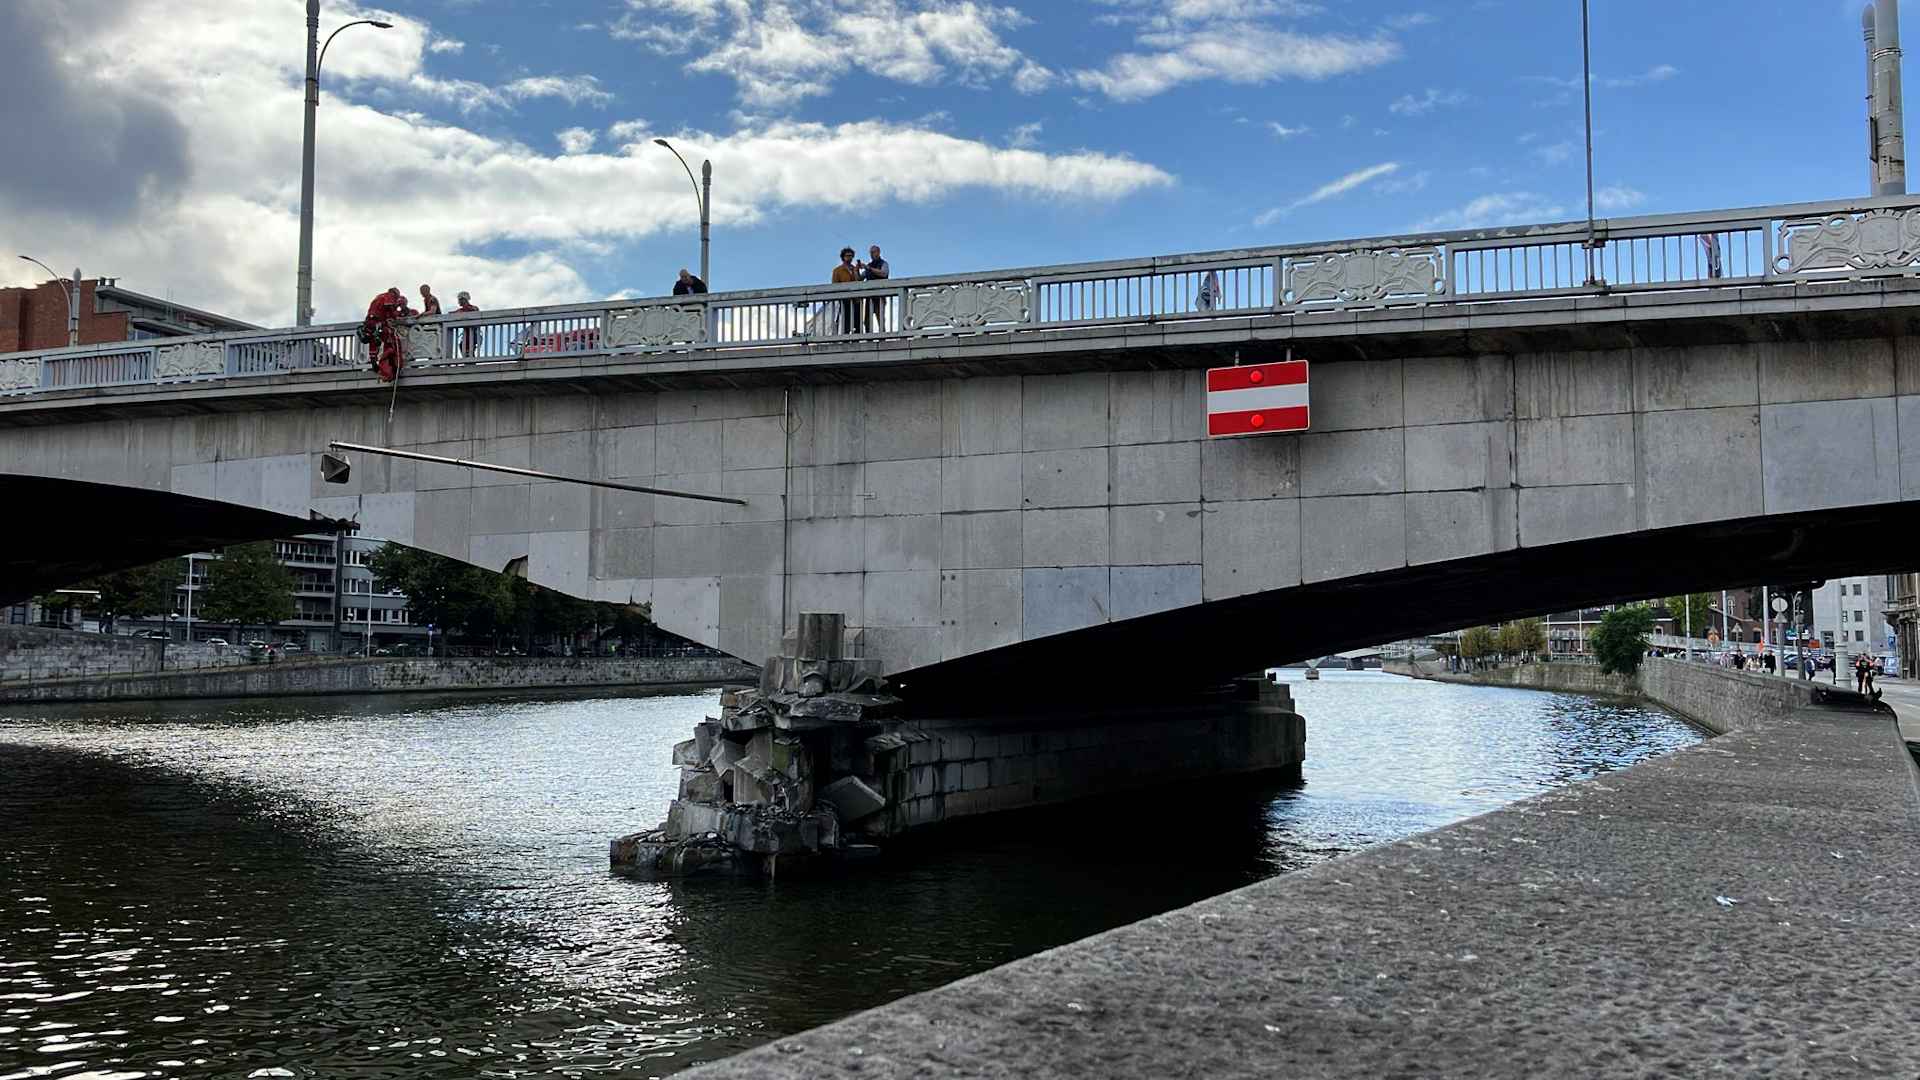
(1782, 245)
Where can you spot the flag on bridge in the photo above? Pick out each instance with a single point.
(1257, 399)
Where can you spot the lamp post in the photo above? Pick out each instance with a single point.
(73, 298)
(316, 55)
(703, 194)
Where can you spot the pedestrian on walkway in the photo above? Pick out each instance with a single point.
(1860, 674)
(876, 269)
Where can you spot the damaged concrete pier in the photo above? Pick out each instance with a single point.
(822, 762)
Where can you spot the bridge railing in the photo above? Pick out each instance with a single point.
(1782, 245)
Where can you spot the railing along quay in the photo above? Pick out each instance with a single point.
(1782, 245)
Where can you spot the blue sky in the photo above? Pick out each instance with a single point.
(503, 145)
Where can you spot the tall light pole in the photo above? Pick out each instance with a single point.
(703, 193)
(1586, 88)
(73, 298)
(316, 55)
(1886, 116)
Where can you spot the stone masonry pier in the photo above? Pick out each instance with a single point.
(1578, 933)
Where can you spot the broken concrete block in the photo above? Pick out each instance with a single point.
(853, 797)
(686, 753)
(705, 734)
(749, 786)
(751, 718)
(725, 753)
(700, 785)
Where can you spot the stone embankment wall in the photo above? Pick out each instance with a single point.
(385, 676)
(959, 768)
(36, 652)
(1716, 698)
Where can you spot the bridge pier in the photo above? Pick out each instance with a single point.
(823, 764)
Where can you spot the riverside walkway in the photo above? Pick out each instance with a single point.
(1740, 908)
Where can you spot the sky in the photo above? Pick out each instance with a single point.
(505, 146)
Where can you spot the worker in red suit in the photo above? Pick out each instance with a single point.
(383, 340)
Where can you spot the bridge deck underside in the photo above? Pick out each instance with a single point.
(1176, 650)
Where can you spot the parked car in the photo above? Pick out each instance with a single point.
(155, 635)
(291, 647)
(218, 642)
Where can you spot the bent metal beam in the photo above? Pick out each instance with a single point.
(533, 473)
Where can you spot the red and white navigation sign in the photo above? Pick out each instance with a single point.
(1257, 399)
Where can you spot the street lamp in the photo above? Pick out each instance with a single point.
(316, 55)
(703, 194)
(73, 298)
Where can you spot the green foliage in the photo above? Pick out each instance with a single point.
(1478, 642)
(141, 591)
(460, 598)
(1701, 607)
(1620, 640)
(247, 587)
(1521, 638)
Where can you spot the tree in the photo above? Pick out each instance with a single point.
(1478, 643)
(143, 590)
(1527, 637)
(1620, 639)
(1698, 606)
(248, 586)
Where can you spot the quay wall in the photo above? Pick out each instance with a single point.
(390, 675)
(1718, 699)
(39, 652)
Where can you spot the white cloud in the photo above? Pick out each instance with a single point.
(437, 202)
(573, 89)
(446, 45)
(1489, 211)
(575, 140)
(1555, 153)
(1243, 53)
(1330, 190)
(622, 132)
(1617, 197)
(1656, 74)
(782, 52)
(1410, 20)
(1282, 131)
(1409, 105)
(1025, 136)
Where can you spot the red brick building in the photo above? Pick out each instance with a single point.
(36, 318)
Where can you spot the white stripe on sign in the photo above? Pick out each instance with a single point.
(1257, 397)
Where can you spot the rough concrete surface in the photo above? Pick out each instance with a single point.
(1578, 933)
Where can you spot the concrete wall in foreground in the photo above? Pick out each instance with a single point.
(952, 517)
(386, 676)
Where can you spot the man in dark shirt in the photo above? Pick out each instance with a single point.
(688, 284)
(876, 269)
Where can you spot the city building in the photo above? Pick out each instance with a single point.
(1849, 614)
(336, 609)
(1902, 612)
(36, 318)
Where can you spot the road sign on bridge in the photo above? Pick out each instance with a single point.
(1257, 399)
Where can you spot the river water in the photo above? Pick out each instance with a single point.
(418, 886)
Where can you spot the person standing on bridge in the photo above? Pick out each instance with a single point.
(875, 269)
(846, 273)
(689, 284)
(429, 303)
(467, 336)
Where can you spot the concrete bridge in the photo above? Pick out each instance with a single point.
(1001, 472)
